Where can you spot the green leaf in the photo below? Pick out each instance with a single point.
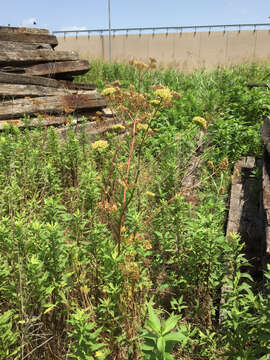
(175, 336)
(170, 323)
(161, 345)
(153, 321)
(145, 347)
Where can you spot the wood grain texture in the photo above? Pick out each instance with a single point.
(73, 68)
(48, 120)
(265, 133)
(246, 215)
(10, 58)
(18, 46)
(27, 37)
(19, 90)
(266, 203)
(92, 129)
(7, 78)
(50, 105)
(52, 69)
(23, 30)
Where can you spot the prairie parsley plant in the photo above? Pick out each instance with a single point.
(100, 145)
(108, 91)
(200, 121)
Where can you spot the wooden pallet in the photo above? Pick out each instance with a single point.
(36, 80)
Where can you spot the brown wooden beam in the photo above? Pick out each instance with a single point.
(51, 104)
(18, 46)
(7, 78)
(22, 58)
(23, 30)
(27, 37)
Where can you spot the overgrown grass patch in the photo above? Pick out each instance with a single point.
(116, 250)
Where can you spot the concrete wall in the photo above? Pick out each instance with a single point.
(187, 51)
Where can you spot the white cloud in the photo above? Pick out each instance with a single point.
(29, 22)
(73, 28)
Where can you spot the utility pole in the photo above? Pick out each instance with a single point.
(110, 31)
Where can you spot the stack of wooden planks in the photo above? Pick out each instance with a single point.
(249, 211)
(37, 82)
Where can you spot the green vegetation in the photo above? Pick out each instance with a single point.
(116, 249)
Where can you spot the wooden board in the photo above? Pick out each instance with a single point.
(240, 183)
(18, 46)
(252, 85)
(10, 58)
(246, 215)
(92, 126)
(6, 78)
(50, 105)
(108, 112)
(19, 90)
(72, 68)
(92, 129)
(27, 37)
(52, 69)
(23, 30)
(266, 206)
(265, 132)
(47, 120)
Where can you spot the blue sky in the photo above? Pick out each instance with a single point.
(92, 14)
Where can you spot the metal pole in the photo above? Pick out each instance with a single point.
(110, 31)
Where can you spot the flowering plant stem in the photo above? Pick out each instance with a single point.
(122, 216)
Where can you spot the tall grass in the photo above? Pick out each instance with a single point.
(116, 249)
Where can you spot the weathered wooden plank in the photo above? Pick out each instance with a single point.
(52, 69)
(27, 37)
(92, 129)
(266, 206)
(19, 90)
(75, 85)
(72, 68)
(246, 214)
(56, 120)
(238, 198)
(23, 30)
(265, 133)
(18, 46)
(42, 81)
(50, 105)
(47, 120)
(108, 112)
(252, 85)
(10, 58)
(13, 69)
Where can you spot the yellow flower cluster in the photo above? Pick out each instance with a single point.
(200, 121)
(100, 145)
(224, 164)
(138, 64)
(116, 83)
(118, 127)
(141, 126)
(152, 63)
(149, 193)
(164, 94)
(108, 91)
(155, 102)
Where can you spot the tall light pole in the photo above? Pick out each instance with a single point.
(110, 31)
